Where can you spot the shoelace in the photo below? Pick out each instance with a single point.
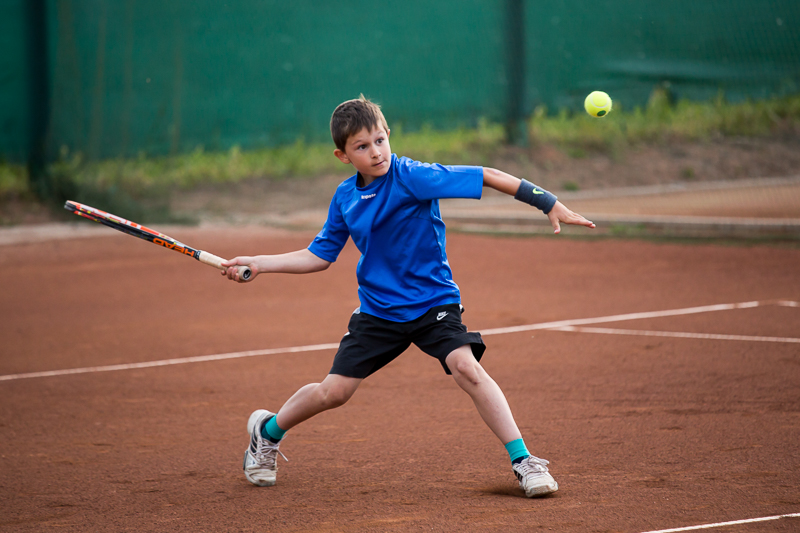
(266, 453)
(533, 464)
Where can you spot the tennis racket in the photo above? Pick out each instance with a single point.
(137, 230)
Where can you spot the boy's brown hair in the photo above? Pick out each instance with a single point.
(352, 116)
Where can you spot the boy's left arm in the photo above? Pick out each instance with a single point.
(519, 189)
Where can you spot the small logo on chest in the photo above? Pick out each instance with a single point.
(368, 196)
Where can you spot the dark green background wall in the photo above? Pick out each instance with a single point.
(747, 48)
(126, 77)
(14, 104)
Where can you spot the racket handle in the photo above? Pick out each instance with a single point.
(213, 260)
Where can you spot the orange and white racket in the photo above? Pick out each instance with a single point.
(137, 230)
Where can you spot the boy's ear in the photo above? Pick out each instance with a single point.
(341, 156)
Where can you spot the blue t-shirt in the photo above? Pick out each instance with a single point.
(396, 225)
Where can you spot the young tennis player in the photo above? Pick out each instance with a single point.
(390, 209)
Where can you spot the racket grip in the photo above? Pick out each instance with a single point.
(210, 259)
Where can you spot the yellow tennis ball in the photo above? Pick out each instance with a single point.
(597, 104)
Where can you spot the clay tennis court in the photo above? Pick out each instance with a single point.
(695, 422)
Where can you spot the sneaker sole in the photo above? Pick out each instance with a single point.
(542, 490)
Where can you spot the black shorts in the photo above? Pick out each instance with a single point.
(372, 343)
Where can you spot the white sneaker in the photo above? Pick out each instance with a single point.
(260, 458)
(533, 477)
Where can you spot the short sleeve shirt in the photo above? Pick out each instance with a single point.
(396, 224)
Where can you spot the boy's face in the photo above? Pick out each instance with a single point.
(368, 151)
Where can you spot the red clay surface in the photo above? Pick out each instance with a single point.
(642, 433)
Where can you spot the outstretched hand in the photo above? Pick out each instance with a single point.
(233, 273)
(560, 213)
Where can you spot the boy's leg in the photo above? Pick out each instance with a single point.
(493, 407)
(369, 344)
(314, 398)
(485, 393)
(266, 428)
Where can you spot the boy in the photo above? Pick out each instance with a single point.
(390, 209)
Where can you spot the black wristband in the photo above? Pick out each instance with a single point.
(535, 196)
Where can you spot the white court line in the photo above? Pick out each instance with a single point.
(619, 318)
(331, 346)
(683, 335)
(167, 362)
(721, 524)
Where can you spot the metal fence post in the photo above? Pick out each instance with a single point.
(39, 97)
(516, 129)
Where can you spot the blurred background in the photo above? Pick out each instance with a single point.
(125, 102)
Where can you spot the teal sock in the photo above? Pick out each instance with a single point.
(272, 431)
(517, 451)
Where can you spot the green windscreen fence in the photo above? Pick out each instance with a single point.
(124, 77)
(15, 133)
(744, 48)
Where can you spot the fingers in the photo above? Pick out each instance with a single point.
(233, 269)
(230, 269)
(560, 214)
(230, 262)
(234, 274)
(579, 220)
(557, 215)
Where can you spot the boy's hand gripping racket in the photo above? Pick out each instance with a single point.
(137, 230)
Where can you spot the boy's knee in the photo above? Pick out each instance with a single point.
(464, 365)
(336, 397)
(336, 394)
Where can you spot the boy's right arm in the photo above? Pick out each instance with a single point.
(299, 262)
